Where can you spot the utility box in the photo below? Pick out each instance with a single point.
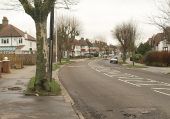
(6, 65)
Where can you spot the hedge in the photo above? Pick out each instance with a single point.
(156, 58)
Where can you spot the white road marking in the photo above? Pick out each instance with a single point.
(75, 66)
(159, 84)
(141, 81)
(162, 92)
(161, 88)
(129, 78)
(108, 75)
(132, 78)
(129, 83)
(97, 70)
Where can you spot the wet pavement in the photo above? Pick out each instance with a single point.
(15, 105)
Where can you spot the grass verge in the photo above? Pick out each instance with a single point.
(63, 62)
(53, 85)
(135, 66)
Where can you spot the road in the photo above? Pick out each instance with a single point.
(102, 90)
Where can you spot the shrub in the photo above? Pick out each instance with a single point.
(138, 58)
(161, 59)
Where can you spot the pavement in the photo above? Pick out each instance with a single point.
(15, 105)
(163, 70)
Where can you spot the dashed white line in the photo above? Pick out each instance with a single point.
(129, 83)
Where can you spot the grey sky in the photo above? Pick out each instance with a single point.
(99, 17)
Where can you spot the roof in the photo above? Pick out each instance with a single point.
(158, 37)
(82, 42)
(12, 31)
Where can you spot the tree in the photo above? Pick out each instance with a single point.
(162, 20)
(126, 34)
(39, 10)
(67, 29)
(143, 48)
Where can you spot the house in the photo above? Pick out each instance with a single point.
(15, 40)
(79, 47)
(159, 42)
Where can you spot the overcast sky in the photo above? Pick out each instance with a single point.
(99, 17)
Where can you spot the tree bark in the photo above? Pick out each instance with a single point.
(124, 56)
(41, 76)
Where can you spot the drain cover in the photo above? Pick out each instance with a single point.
(14, 88)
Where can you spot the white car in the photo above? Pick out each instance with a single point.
(114, 60)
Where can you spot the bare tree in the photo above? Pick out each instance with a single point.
(126, 34)
(162, 20)
(67, 30)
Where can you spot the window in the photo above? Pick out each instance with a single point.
(20, 41)
(4, 41)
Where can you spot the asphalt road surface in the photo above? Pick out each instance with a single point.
(102, 90)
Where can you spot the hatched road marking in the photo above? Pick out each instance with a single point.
(131, 79)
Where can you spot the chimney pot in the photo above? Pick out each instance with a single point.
(5, 21)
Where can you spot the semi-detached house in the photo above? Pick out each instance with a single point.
(14, 40)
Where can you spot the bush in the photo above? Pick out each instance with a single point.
(138, 58)
(161, 59)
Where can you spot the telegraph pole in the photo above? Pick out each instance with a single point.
(51, 42)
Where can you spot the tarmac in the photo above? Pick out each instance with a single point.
(15, 105)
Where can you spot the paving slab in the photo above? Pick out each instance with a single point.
(15, 105)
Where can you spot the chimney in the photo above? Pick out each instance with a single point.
(26, 35)
(5, 21)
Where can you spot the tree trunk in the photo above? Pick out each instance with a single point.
(124, 56)
(133, 58)
(42, 58)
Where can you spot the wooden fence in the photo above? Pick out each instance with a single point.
(18, 60)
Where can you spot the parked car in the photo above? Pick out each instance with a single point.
(114, 60)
